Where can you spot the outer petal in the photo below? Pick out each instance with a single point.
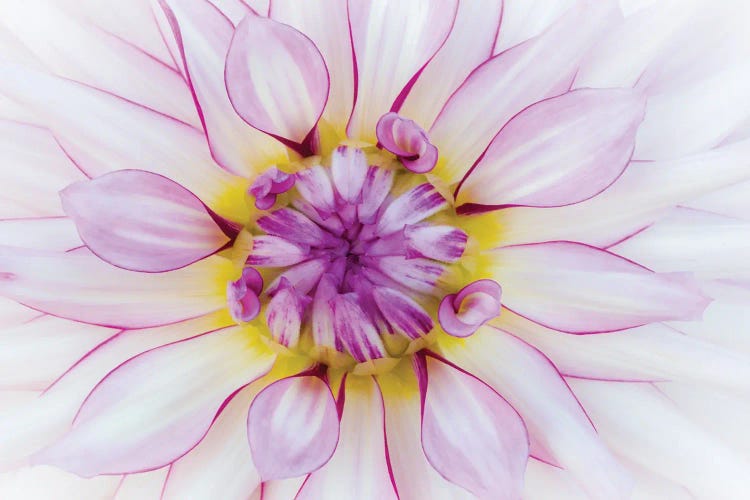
(276, 78)
(359, 468)
(292, 427)
(412, 473)
(120, 421)
(203, 473)
(81, 287)
(142, 221)
(203, 35)
(556, 152)
(141, 485)
(558, 428)
(471, 435)
(507, 83)
(100, 144)
(576, 288)
(326, 23)
(469, 44)
(392, 42)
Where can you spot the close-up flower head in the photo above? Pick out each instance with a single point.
(374, 249)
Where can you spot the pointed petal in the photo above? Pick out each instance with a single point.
(471, 435)
(203, 473)
(294, 226)
(355, 330)
(418, 274)
(580, 289)
(118, 420)
(411, 207)
(349, 169)
(274, 251)
(444, 243)
(203, 35)
(142, 221)
(469, 44)
(359, 468)
(292, 427)
(397, 50)
(276, 78)
(556, 152)
(559, 430)
(509, 82)
(326, 23)
(82, 287)
(402, 313)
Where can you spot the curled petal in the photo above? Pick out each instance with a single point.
(267, 185)
(408, 141)
(242, 295)
(470, 434)
(461, 314)
(292, 427)
(276, 78)
(142, 221)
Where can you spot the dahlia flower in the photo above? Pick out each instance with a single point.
(374, 249)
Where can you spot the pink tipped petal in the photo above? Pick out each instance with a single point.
(461, 314)
(377, 185)
(355, 330)
(359, 468)
(504, 85)
(471, 435)
(121, 420)
(408, 141)
(402, 312)
(142, 221)
(322, 312)
(242, 295)
(326, 23)
(468, 45)
(400, 53)
(267, 185)
(411, 207)
(418, 274)
(576, 288)
(82, 287)
(203, 35)
(315, 186)
(349, 170)
(444, 243)
(292, 427)
(276, 78)
(294, 226)
(557, 152)
(274, 251)
(284, 314)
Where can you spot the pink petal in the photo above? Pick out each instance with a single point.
(118, 424)
(411, 207)
(408, 141)
(276, 78)
(469, 44)
(326, 23)
(44, 233)
(470, 434)
(203, 36)
(142, 221)
(303, 276)
(580, 289)
(444, 243)
(322, 312)
(274, 251)
(203, 472)
(556, 152)
(284, 314)
(381, 48)
(292, 427)
(359, 468)
(402, 313)
(509, 82)
(559, 430)
(243, 295)
(315, 186)
(354, 329)
(294, 226)
(417, 274)
(462, 313)
(82, 287)
(349, 170)
(377, 185)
